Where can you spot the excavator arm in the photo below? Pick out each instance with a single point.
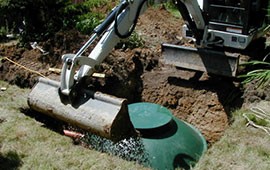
(118, 25)
(69, 100)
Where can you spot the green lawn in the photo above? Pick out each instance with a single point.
(242, 147)
(27, 143)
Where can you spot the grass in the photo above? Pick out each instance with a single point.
(261, 76)
(170, 6)
(28, 143)
(241, 147)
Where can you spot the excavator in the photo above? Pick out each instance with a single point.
(213, 25)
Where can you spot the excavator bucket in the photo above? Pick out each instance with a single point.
(201, 59)
(98, 113)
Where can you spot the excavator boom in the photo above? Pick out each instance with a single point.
(69, 100)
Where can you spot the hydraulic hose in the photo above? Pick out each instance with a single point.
(110, 18)
(122, 7)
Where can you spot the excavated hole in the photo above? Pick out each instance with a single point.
(139, 76)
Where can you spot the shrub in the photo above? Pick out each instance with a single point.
(86, 23)
(3, 33)
(261, 76)
(39, 19)
(134, 41)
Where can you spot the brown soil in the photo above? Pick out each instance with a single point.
(138, 74)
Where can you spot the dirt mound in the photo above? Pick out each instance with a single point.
(137, 74)
(35, 60)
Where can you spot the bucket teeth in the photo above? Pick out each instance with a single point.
(99, 113)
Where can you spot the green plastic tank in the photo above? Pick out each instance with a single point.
(168, 142)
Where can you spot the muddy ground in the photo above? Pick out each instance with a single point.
(139, 75)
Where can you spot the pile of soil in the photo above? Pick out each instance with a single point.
(138, 74)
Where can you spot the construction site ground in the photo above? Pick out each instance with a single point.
(139, 75)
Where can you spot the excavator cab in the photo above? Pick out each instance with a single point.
(230, 25)
(246, 18)
(243, 17)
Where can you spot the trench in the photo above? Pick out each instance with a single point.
(139, 76)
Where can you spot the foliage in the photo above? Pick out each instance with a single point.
(171, 7)
(261, 76)
(257, 120)
(71, 13)
(134, 41)
(40, 19)
(241, 147)
(95, 3)
(170, 4)
(87, 22)
(33, 19)
(3, 33)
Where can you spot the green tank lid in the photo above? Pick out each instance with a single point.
(144, 116)
(168, 142)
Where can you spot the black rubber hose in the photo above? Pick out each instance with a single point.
(109, 19)
(126, 35)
